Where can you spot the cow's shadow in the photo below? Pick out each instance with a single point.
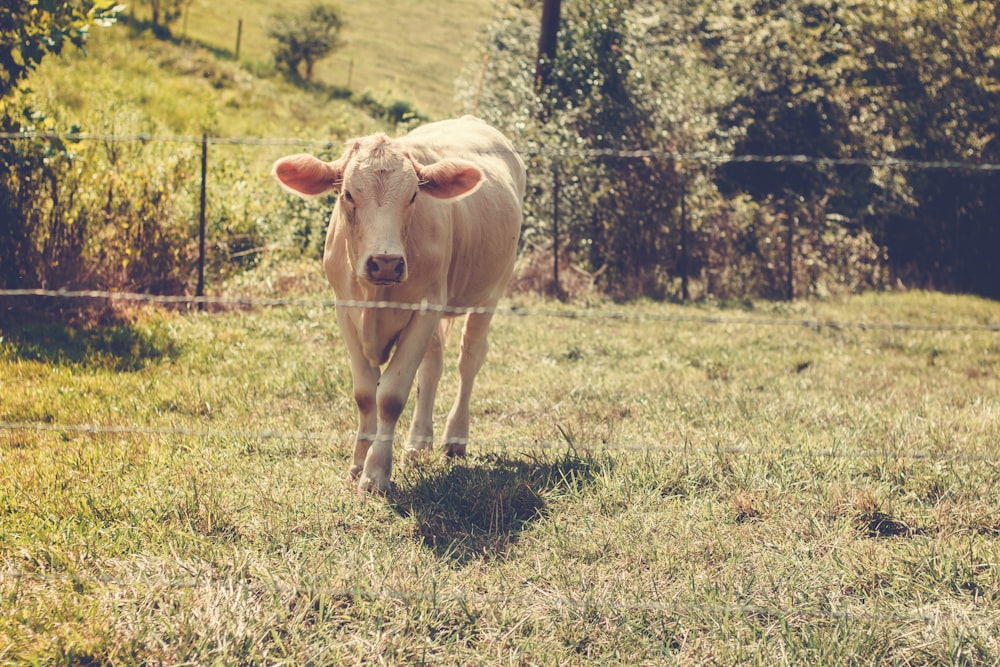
(478, 506)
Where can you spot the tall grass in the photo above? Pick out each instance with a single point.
(687, 489)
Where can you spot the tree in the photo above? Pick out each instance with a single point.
(31, 29)
(302, 39)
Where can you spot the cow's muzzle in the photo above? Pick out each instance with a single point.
(385, 269)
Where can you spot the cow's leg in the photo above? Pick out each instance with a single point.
(390, 398)
(365, 378)
(428, 375)
(365, 383)
(470, 360)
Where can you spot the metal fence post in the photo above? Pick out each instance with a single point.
(685, 293)
(200, 289)
(790, 258)
(556, 287)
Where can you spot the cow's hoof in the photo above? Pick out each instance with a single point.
(354, 472)
(374, 485)
(454, 449)
(417, 455)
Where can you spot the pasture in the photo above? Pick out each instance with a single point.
(646, 484)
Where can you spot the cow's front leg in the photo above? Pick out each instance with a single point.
(391, 395)
(366, 379)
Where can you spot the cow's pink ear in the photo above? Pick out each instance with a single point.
(307, 175)
(448, 178)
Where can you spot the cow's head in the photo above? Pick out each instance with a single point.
(378, 185)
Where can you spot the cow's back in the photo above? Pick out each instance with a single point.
(485, 224)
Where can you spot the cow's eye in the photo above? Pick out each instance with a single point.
(348, 197)
(413, 198)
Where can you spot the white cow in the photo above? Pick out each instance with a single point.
(431, 218)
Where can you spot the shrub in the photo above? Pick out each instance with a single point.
(90, 214)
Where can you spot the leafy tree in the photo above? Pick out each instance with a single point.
(30, 168)
(908, 79)
(302, 39)
(658, 79)
(31, 29)
(935, 68)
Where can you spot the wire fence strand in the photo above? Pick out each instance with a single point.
(580, 447)
(517, 311)
(547, 598)
(697, 157)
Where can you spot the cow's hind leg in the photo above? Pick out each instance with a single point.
(421, 436)
(474, 348)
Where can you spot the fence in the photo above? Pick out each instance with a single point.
(637, 316)
(687, 163)
(555, 155)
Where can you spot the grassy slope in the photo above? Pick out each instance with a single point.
(177, 89)
(759, 503)
(409, 50)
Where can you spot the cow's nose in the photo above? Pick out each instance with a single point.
(385, 268)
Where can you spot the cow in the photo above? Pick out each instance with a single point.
(425, 227)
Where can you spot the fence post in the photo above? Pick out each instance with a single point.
(685, 294)
(239, 36)
(556, 288)
(200, 289)
(790, 255)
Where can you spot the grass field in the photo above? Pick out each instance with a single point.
(647, 484)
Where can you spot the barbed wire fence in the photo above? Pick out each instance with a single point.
(199, 300)
(556, 155)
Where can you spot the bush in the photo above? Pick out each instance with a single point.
(87, 215)
(630, 76)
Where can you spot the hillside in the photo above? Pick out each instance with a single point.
(396, 50)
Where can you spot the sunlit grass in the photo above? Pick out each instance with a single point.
(410, 51)
(638, 490)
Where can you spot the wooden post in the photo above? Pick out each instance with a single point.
(239, 36)
(547, 43)
(200, 289)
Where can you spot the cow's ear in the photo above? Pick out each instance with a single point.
(448, 178)
(307, 175)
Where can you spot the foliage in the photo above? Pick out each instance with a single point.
(835, 79)
(80, 214)
(302, 39)
(32, 29)
(162, 13)
(844, 83)
(96, 214)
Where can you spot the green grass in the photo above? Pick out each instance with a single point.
(675, 486)
(126, 84)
